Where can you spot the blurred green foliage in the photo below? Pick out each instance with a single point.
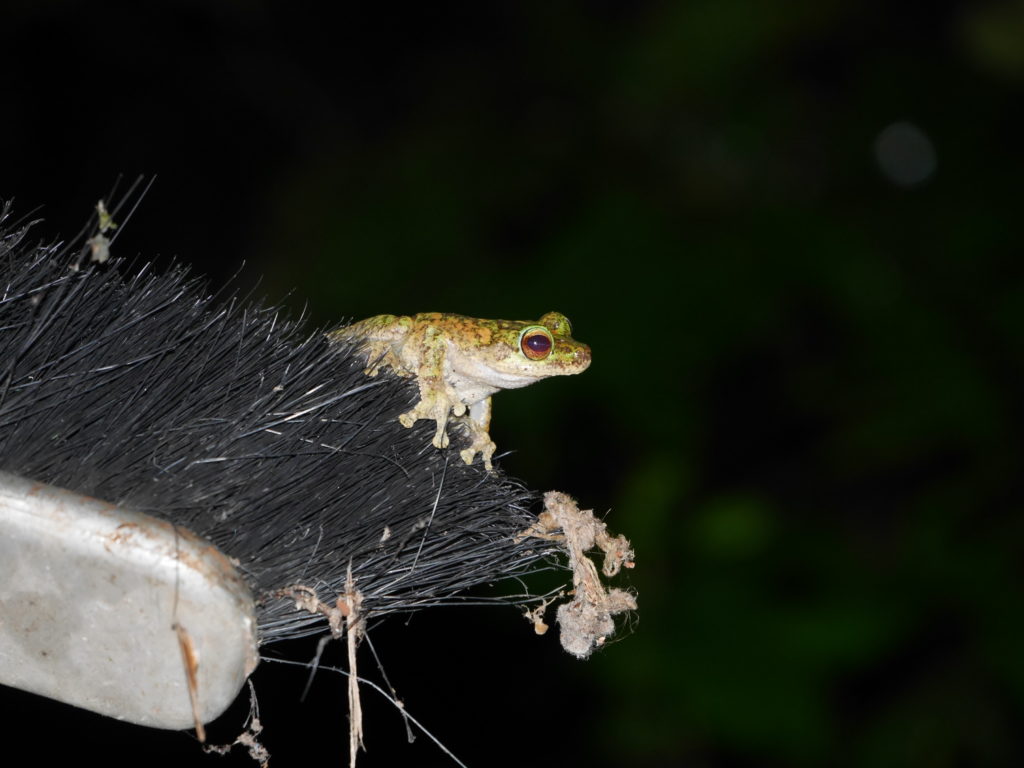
(805, 402)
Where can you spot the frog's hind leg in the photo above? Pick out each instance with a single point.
(375, 338)
(380, 355)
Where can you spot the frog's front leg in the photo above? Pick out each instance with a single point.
(477, 423)
(435, 399)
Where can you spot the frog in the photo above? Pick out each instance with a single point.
(459, 362)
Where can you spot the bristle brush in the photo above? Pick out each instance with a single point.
(186, 478)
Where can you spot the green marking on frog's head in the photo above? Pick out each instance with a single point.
(557, 323)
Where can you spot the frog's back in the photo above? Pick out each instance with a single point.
(376, 328)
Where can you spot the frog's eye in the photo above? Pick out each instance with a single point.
(536, 342)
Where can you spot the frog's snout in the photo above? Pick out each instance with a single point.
(581, 356)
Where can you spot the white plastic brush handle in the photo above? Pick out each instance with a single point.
(96, 601)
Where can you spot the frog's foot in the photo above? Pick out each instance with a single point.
(433, 406)
(480, 442)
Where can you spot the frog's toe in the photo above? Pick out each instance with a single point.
(486, 451)
(467, 455)
(408, 419)
(441, 435)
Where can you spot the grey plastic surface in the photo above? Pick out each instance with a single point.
(90, 596)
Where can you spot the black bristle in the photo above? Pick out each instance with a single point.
(219, 415)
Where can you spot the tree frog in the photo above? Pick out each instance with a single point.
(459, 362)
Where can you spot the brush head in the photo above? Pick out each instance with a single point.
(223, 417)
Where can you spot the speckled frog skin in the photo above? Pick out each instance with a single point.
(459, 362)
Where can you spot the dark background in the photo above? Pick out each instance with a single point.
(790, 232)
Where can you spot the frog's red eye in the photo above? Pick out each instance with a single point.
(536, 342)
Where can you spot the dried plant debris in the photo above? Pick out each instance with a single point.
(587, 620)
(248, 739)
(345, 619)
(99, 244)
